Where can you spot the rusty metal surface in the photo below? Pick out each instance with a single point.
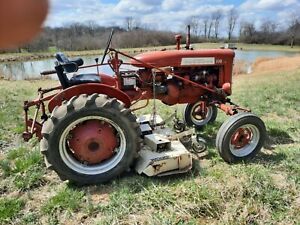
(35, 130)
(89, 89)
(241, 137)
(174, 57)
(93, 141)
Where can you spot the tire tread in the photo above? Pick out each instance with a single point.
(76, 104)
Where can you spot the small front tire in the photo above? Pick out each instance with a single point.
(194, 119)
(240, 137)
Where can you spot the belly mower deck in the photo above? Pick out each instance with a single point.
(164, 152)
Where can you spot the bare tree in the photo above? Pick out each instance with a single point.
(294, 28)
(268, 27)
(194, 22)
(216, 21)
(247, 32)
(129, 22)
(232, 20)
(267, 33)
(91, 26)
(210, 24)
(137, 24)
(205, 23)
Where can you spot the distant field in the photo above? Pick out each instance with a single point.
(264, 191)
(247, 47)
(41, 55)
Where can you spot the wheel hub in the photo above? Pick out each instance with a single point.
(241, 138)
(200, 111)
(93, 141)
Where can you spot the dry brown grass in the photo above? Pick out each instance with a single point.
(262, 65)
(240, 67)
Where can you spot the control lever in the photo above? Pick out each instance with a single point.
(97, 61)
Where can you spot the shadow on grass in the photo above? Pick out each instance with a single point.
(132, 183)
(136, 183)
(277, 137)
(269, 159)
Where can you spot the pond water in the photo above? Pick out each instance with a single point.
(249, 57)
(32, 69)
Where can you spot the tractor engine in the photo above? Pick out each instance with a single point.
(170, 89)
(207, 76)
(181, 70)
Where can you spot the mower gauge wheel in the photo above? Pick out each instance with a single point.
(199, 145)
(179, 126)
(240, 137)
(194, 117)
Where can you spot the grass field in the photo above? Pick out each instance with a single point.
(263, 191)
(247, 47)
(25, 56)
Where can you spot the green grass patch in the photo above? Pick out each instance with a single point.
(24, 167)
(160, 201)
(30, 218)
(260, 187)
(20, 160)
(9, 208)
(67, 199)
(31, 178)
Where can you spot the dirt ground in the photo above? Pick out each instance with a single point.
(262, 65)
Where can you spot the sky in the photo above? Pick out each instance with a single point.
(168, 15)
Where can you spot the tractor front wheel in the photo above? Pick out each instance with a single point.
(240, 137)
(90, 139)
(194, 116)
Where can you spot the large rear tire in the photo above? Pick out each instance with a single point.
(90, 139)
(240, 137)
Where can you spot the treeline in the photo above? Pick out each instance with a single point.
(78, 37)
(208, 28)
(268, 33)
(88, 37)
(219, 27)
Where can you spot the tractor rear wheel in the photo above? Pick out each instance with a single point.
(90, 139)
(194, 117)
(240, 137)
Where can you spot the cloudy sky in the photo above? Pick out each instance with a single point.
(166, 14)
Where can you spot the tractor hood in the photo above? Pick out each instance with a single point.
(181, 58)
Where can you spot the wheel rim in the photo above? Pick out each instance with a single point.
(198, 119)
(244, 140)
(93, 141)
(93, 166)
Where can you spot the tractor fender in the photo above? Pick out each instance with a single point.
(88, 89)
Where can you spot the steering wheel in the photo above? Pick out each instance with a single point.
(107, 46)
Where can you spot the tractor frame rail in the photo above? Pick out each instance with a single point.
(32, 126)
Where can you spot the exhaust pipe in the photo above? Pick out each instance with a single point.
(188, 37)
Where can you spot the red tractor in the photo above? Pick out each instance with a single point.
(88, 132)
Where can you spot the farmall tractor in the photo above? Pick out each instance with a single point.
(89, 134)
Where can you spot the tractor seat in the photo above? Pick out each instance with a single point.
(84, 78)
